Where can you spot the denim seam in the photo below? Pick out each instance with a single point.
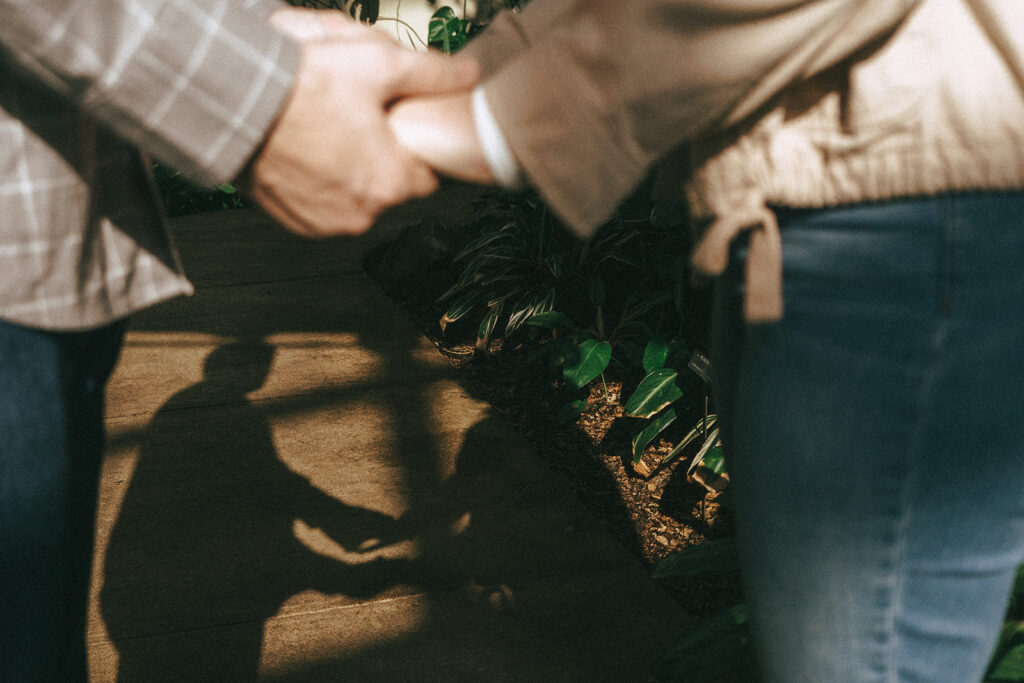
(899, 546)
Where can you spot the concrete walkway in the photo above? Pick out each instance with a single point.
(298, 489)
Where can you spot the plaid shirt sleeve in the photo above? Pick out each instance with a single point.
(196, 83)
(84, 84)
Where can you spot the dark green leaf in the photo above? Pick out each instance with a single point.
(365, 10)
(714, 460)
(570, 411)
(446, 31)
(711, 443)
(459, 308)
(701, 429)
(657, 390)
(668, 214)
(486, 328)
(597, 293)
(551, 320)
(655, 355)
(648, 433)
(717, 556)
(714, 648)
(1008, 662)
(593, 360)
(528, 304)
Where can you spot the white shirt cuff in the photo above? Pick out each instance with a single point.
(500, 159)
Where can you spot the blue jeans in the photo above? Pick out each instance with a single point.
(51, 447)
(875, 439)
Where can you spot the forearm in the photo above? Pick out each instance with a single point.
(443, 132)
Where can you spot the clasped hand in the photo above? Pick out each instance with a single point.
(333, 161)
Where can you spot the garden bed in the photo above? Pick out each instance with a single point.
(652, 516)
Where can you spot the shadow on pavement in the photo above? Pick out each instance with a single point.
(490, 570)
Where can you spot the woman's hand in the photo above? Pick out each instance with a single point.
(440, 131)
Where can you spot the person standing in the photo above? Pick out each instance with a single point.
(856, 169)
(288, 103)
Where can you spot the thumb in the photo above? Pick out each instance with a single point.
(433, 73)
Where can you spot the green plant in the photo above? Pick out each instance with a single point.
(718, 647)
(448, 32)
(620, 300)
(525, 263)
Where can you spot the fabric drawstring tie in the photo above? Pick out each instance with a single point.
(762, 302)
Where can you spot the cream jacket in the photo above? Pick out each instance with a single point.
(810, 103)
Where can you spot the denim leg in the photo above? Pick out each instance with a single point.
(875, 440)
(51, 447)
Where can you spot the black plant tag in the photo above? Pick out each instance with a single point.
(701, 365)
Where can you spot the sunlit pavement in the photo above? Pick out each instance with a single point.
(298, 488)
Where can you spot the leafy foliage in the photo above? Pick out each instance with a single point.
(620, 300)
(525, 263)
(448, 32)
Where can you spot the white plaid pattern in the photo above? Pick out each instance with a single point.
(83, 84)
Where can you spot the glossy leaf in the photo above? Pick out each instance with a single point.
(486, 329)
(655, 355)
(526, 307)
(710, 443)
(592, 361)
(657, 390)
(699, 430)
(708, 466)
(439, 22)
(459, 308)
(446, 31)
(714, 461)
(652, 430)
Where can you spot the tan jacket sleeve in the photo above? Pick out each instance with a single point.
(513, 33)
(599, 90)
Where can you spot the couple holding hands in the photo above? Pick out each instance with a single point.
(863, 157)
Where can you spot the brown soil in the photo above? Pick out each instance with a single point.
(653, 516)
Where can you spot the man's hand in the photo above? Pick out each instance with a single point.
(331, 165)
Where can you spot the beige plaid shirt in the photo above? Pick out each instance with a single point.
(85, 84)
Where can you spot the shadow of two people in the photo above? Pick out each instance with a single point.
(205, 538)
